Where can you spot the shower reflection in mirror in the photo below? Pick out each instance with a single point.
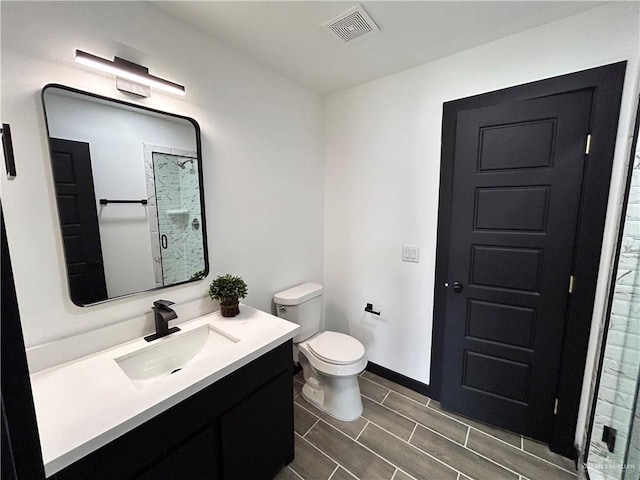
(174, 204)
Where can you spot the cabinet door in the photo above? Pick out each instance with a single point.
(197, 459)
(257, 434)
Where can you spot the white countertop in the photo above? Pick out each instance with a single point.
(87, 403)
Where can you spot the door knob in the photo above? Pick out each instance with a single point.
(457, 287)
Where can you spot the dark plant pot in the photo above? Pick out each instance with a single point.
(230, 309)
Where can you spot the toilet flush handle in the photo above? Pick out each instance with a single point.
(282, 308)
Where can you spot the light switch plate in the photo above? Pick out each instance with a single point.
(411, 253)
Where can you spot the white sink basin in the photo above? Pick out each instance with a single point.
(171, 354)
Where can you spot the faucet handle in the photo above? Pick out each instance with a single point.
(163, 304)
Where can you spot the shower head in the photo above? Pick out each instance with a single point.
(182, 164)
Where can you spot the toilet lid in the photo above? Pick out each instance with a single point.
(336, 348)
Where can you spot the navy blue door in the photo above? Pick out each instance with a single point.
(517, 182)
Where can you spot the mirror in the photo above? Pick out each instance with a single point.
(128, 183)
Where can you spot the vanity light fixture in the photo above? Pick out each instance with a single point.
(130, 77)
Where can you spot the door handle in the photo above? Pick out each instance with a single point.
(457, 287)
(163, 241)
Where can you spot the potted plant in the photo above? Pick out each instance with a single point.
(228, 290)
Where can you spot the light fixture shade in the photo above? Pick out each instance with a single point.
(129, 71)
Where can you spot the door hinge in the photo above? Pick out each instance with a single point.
(570, 283)
(588, 147)
(555, 407)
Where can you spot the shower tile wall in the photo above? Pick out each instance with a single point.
(174, 206)
(620, 369)
(190, 196)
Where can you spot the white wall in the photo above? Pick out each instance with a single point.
(261, 148)
(382, 156)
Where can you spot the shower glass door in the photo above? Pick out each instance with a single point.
(175, 217)
(613, 449)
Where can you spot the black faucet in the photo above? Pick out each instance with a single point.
(161, 316)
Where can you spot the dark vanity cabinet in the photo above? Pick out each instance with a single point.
(239, 428)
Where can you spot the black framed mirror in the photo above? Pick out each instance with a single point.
(128, 183)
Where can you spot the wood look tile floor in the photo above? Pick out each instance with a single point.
(403, 435)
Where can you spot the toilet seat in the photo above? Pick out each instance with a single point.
(326, 362)
(336, 348)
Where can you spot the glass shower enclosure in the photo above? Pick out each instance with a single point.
(613, 445)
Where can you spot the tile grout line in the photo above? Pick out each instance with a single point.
(550, 463)
(310, 412)
(418, 423)
(334, 470)
(410, 476)
(501, 440)
(386, 396)
(323, 453)
(395, 391)
(466, 439)
(494, 461)
(530, 454)
(394, 473)
(365, 426)
(411, 445)
(439, 413)
(415, 427)
(342, 467)
(348, 471)
(386, 460)
(374, 401)
(444, 414)
(333, 459)
(412, 420)
(310, 428)
(295, 473)
(446, 438)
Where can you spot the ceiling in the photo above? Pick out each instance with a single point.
(289, 36)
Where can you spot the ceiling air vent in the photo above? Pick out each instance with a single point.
(353, 25)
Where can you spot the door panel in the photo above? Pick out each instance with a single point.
(512, 208)
(500, 145)
(517, 180)
(523, 272)
(500, 323)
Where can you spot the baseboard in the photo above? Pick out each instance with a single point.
(396, 377)
(400, 379)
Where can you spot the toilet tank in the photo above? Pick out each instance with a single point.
(302, 305)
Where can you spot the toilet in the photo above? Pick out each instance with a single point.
(331, 361)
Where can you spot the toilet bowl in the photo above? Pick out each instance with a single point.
(330, 361)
